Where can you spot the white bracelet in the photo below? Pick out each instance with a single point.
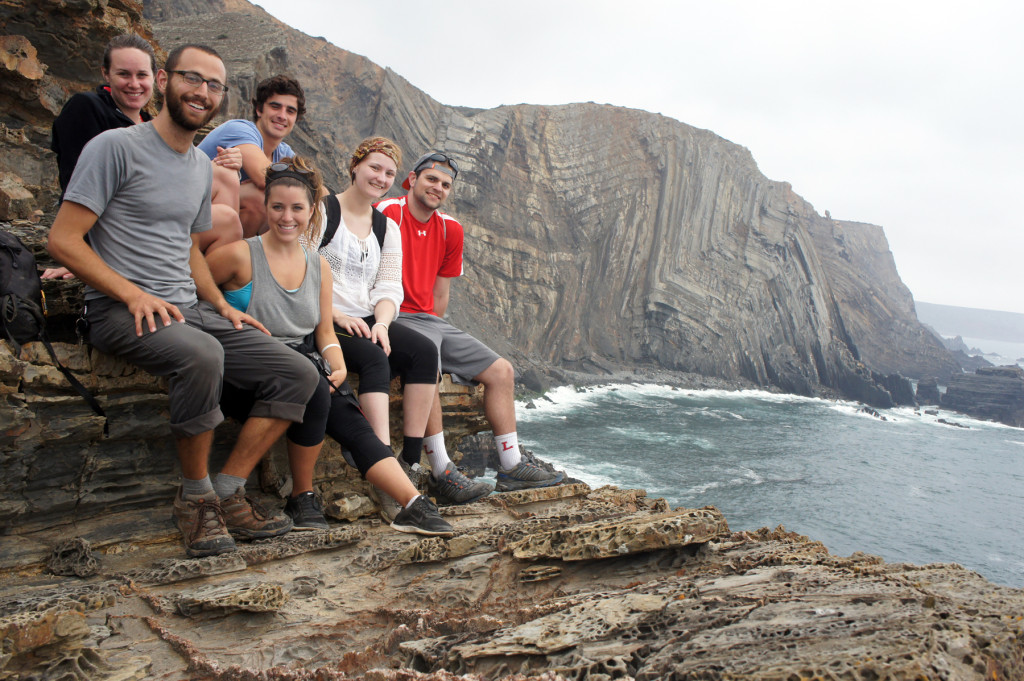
(380, 324)
(331, 345)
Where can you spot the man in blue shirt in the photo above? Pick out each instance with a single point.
(278, 105)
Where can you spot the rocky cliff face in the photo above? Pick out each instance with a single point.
(600, 236)
(876, 307)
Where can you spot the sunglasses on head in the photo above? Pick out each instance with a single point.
(278, 167)
(279, 170)
(438, 157)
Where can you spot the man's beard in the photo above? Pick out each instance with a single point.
(176, 108)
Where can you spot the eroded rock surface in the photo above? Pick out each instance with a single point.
(697, 603)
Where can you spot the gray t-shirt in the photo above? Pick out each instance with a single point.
(149, 199)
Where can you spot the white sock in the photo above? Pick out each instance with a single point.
(508, 449)
(413, 500)
(433, 445)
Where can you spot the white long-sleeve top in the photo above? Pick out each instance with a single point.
(364, 273)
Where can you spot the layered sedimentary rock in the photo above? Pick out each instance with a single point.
(876, 306)
(994, 393)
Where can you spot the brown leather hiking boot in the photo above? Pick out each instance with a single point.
(201, 524)
(247, 518)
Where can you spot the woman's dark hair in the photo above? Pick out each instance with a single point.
(298, 173)
(278, 85)
(119, 42)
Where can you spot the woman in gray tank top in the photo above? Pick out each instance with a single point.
(279, 280)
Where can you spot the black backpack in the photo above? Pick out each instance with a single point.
(22, 317)
(380, 223)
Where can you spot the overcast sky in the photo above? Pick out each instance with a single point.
(903, 114)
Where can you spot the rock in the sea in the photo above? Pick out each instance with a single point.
(928, 391)
(992, 393)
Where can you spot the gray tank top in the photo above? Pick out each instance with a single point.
(289, 315)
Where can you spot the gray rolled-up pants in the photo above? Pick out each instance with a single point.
(199, 355)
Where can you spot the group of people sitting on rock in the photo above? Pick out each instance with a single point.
(233, 272)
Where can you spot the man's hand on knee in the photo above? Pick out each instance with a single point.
(148, 307)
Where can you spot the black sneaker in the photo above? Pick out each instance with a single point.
(306, 512)
(422, 517)
(455, 488)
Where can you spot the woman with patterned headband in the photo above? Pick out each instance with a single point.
(368, 291)
(280, 281)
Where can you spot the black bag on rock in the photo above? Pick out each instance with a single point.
(22, 308)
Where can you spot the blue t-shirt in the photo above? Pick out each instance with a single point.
(239, 131)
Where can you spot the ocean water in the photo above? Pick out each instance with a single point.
(906, 488)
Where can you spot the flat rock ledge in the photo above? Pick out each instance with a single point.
(560, 583)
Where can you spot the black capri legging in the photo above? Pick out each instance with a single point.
(338, 414)
(413, 357)
(237, 403)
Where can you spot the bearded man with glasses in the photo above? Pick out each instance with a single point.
(142, 195)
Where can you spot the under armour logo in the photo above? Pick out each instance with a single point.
(506, 446)
(421, 232)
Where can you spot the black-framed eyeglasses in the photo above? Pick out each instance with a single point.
(437, 157)
(195, 80)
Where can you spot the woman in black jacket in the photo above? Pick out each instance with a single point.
(128, 67)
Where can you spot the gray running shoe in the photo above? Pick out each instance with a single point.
(306, 512)
(422, 517)
(526, 475)
(201, 524)
(455, 488)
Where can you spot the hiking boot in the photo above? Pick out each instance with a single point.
(306, 512)
(526, 475)
(455, 488)
(422, 517)
(247, 518)
(201, 524)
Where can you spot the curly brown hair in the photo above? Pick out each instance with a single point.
(278, 85)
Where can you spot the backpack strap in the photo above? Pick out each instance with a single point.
(333, 206)
(333, 218)
(380, 227)
(75, 383)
